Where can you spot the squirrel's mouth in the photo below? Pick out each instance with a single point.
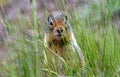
(59, 36)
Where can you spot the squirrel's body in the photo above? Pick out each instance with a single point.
(60, 39)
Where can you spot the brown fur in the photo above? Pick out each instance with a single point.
(64, 45)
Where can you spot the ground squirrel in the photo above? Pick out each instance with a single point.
(59, 37)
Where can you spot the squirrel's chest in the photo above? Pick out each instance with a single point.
(61, 47)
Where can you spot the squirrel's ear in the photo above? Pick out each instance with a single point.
(65, 17)
(50, 17)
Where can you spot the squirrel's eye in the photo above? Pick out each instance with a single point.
(51, 22)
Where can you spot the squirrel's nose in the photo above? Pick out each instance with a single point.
(59, 31)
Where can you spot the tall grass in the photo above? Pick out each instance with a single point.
(96, 35)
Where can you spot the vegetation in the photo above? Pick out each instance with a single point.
(95, 33)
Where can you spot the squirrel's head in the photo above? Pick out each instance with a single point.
(58, 26)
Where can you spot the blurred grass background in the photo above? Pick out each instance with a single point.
(96, 25)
